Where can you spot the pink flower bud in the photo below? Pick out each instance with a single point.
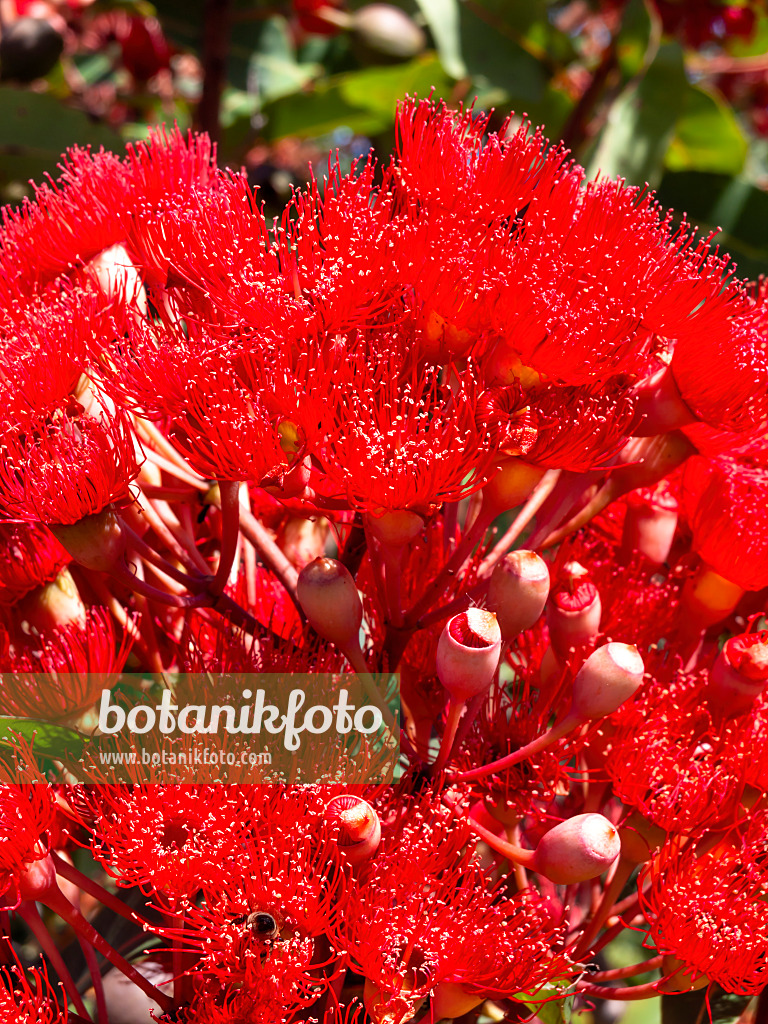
(468, 653)
(740, 673)
(518, 591)
(356, 826)
(608, 677)
(329, 598)
(578, 849)
(650, 524)
(96, 542)
(573, 611)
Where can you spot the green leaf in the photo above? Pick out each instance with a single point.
(642, 121)
(47, 739)
(637, 40)
(442, 17)
(502, 71)
(363, 101)
(274, 66)
(732, 204)
(691, 1006)
(707, 136)
(36, 128)
(559, 1008)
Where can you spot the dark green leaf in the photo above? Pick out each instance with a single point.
(363, 101)
(36, 128)
(442, 17)
(47, 739)
(641, 123)
(503, 72)
(707, 136)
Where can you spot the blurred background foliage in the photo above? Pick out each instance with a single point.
(669, 92)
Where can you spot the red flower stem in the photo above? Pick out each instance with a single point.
(450, 524)
(174, 536)
(458, 604)
(230, 530)
(608, 936)
(271, 555)
(29, 912)
(55, 900)
(603, 912)
(237, 615)
(539, 495)
(628, 972)
(164, 446)
(540, 743)
(177, 958)
(184, 476)
(647, 991)
(174, 494)
(194, 583)
(455, 709)
(393, 559)
(451, 569)
(102, 1014)
(356, 658)
(514, 853)
(104, 896)
(95, 582)
(124, 576)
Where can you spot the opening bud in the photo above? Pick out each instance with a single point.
(608, 677)
(96, 542)
(468, 653)
(740, 673)
(395, 529)
(329, 598)
(356, 825)
(708, 597)
(511, 486)
(578, 849)
(518, 591)
(53, 605)
(573, 611)
(450, 1000)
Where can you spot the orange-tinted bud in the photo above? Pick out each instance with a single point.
(578, 849)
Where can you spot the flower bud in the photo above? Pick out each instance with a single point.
(511, 486)
(395, 529)
(685, 977)
(708, 597)
(96, 542)
(468, 653)
(386, 31)
(329, 598)
(53, 605)
(573, 611)
(578, 849)
(608, 677)
(740, 673)
(356, 825)
(640, 839)
(450, 1000)
(518, 591)
(650, 524)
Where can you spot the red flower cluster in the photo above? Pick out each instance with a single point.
(231, 448)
